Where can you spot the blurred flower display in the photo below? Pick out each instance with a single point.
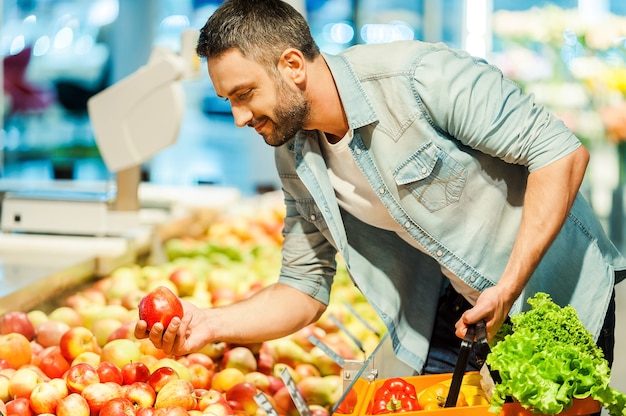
(573, 63)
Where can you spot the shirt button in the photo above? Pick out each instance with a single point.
(312, 217)
(381, 191)
(357, 151)
(439, 253)
(407, 225)
(424, 170)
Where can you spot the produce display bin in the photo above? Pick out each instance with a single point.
(366, 390)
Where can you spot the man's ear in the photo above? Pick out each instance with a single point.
(292, 65)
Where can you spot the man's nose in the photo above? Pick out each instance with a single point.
(241, 115)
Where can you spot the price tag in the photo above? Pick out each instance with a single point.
(343, 328)
(361, 319)
(295, 394)
(332, 354)
(261, 400)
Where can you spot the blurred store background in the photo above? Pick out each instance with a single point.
(58, 53)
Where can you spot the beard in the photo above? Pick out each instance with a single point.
(290, 115)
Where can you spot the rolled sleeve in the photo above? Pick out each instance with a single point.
(309, 260)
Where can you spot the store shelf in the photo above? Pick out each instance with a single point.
(31, 277)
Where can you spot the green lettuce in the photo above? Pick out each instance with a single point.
(547, 358)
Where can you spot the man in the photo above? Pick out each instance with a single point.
(451, 196)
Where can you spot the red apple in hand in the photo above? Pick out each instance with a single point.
(17, 321)
(160, 305)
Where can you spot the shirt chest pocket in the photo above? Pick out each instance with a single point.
(432, 176)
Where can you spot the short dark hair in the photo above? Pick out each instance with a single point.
(260, 29)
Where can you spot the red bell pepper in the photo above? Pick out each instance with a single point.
(396, 395)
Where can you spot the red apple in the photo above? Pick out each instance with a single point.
(120, 352)
(98, 394)
(80, 376)
(44, 398)
(200, 376)
(50, 332)
(135, 371)
(77, 340)
(184, 279)
(202, 359)
(243, 394)
(140, 394)
(16, 349)
(150, 411)
(160, 305)
(241, 358)
(4, 363)
(23, 382)
(125, 331)
(212, 397)
(19, 407)
(17, 321)
(177, 411)
(52, 362)
(73, 405)
(284, 403)
(107, 371)
(118, 407)
(176, 393)
(161, 376)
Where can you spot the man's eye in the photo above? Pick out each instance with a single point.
(244, 94)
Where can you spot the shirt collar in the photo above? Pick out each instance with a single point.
(356, 103)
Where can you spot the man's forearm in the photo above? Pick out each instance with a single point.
(276, 311)
(550, 193)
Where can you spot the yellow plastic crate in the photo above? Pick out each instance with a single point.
(365, 394)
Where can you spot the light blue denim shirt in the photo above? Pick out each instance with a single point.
(447, 144)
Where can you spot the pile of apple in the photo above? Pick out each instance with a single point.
(81, 358)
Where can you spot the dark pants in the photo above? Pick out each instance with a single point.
(445, 346)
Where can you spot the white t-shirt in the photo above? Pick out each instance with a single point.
(356, 196)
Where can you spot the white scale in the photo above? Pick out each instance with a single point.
(132, 120)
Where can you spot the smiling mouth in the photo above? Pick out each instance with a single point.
(259, 126)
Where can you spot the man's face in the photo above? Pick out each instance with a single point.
(266, 102)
